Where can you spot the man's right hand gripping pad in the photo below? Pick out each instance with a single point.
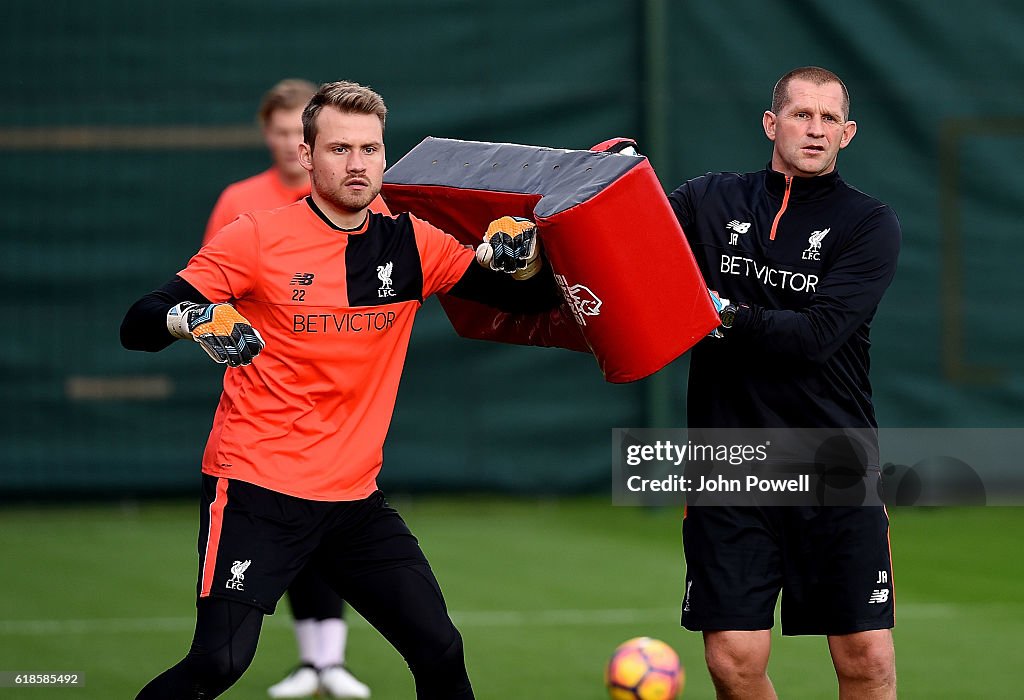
(633, 293)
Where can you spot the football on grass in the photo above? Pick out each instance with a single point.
(644, 669)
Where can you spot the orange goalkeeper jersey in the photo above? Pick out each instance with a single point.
(309, 416)
(262, 191)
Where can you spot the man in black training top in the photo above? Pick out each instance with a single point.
(798, 261)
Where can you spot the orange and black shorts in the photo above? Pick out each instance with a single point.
(253, 541)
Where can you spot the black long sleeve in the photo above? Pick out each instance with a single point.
(845, 299)
(863, 243)
(145, 325)
(807, 260)
(501, 291)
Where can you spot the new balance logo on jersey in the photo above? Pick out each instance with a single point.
(737, 227)
(813, 252)
(879, 595)
(302, 278)
(235, 583)
(384, 275)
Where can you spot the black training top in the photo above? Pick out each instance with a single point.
(810, 258)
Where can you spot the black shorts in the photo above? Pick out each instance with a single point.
(253, 541)
(832, 565)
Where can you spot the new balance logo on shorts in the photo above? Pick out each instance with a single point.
(879, 595)
(302, 278)
(235, 583)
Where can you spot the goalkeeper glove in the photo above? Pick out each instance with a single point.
(222, 332)
(510, 245)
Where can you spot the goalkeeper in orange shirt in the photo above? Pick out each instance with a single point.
(311, 306)
(318, 612)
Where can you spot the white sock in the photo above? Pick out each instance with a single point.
(333, 634)
(308, 638)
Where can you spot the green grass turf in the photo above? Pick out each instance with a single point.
(542, 591)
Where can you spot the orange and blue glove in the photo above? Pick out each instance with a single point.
(510, 245)
(220, 330)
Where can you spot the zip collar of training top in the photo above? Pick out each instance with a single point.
(802, 188)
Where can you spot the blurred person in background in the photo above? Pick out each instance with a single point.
(318, 612)
(290, 467)
(285, 181)
(799, 261)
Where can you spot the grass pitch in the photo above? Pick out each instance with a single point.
(542, 591)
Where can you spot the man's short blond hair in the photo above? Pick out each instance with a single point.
(291, 93)
(348, 97)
